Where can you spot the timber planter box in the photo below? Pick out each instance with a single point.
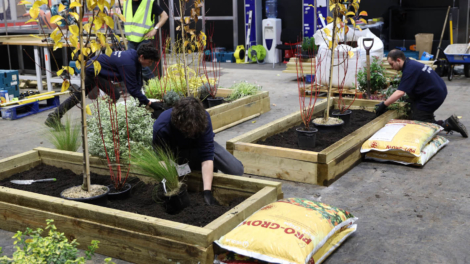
(128, 236)
(321, 168)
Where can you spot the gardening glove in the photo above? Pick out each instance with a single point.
(157, 109)
(209, 199)
(380, 109)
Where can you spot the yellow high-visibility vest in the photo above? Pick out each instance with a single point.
(140, 23)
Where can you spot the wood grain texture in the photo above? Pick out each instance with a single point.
(295, 154)
(18, 163)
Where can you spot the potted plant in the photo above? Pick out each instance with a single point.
(309, 49)
(378, 81)
(160, 164)
(212, 76)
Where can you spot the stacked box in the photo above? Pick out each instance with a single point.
(229, 57)
(9, 80)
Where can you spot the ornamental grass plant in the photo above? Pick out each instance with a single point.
(67, 137)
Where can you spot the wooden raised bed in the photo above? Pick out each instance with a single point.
(128, 236)
(321, 168)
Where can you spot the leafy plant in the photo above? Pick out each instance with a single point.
(158, 163)
(140, 129)
(157, 88)
(67, 137)
(308, 44)
(377, 77)
(55, 248)
(242, 89)
(171, 97)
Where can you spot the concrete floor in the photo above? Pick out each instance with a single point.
(406, 215)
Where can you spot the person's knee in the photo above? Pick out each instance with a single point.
(239, 169)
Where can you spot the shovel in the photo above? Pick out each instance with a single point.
(368, 48)
(28, 182)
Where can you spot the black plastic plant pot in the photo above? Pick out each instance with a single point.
(100, 200)
(215, 101)
(175, 203)
(306, 138)
(122, 194)
(205, 103)
(329, 128)
(346, 116)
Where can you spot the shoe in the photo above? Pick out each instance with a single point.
(209, 199)
(453, 123)
(53, 121)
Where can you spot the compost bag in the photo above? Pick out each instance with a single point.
(293, 230)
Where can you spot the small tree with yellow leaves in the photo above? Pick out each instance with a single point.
(84, 47)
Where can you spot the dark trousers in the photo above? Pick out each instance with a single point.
(423, 116)
(223, 160)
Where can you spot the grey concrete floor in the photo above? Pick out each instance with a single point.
(406, 215)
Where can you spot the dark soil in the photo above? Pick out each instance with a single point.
(288, 139)
(141, 200)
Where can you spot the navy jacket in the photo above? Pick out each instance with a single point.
(424, 87)
(164, 133)
(122, 66)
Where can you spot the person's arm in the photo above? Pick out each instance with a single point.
(163, 17)
(207, 169)
(394, 97)
(206, 152)
(128, 75)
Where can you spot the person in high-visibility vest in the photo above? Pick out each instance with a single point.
(141, 25)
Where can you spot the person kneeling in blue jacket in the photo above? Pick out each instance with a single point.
(121, 66)
(426, 90)
(186, 129)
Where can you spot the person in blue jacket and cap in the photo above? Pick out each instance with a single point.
(121, 66)
(426, 90)
(186, 130)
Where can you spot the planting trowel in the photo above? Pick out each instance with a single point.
(27, 182)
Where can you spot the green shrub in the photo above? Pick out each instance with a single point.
(377, 78)
(308, 44)
(154, 87)
(66, 138)
(140, 129)
(242, 89)
(55, 248)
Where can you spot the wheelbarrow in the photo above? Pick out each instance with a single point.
(457, 54)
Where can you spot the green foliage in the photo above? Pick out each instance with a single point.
(377, 78)
(308, 44)
(203, 91)
(159, 164)
(55, 248)
(156, 87)
(396, 81)
(171, 97)
(140, 129)
(242, 89)
(66, 138)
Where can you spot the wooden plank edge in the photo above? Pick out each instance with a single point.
(236, 123)
(280, 152)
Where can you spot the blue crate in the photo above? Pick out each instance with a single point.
(229, 57)
(19, 111)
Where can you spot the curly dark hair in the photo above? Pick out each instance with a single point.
(148, 51)
(189, 117)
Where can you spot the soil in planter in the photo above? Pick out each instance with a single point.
(288, 139)
(141, 200)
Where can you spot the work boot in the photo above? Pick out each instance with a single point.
(209, 199)
(53, 119)
(453, 124)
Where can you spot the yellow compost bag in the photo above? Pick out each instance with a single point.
(427, 153)
(290, 231)
(402, 137)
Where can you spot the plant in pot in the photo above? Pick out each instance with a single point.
(378, 81)
(83, 49)
(160, 164)
(306, 135)
(113, 129)
(309, 49)
(342, 15)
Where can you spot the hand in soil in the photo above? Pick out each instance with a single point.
(209, 199)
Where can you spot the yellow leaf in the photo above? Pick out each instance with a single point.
(57, 36)
(329, 20)
(70, 70)
(78, 65)
(75, 4)
(117, 37)
(111, 4)
(186, 43)
(65, 86)
(24, 3)
(58, 45)
(75, 15)
(363, 13)
(59, 72)
(31, 20)
(358, 27)
(123, 19)
(327, 31)
(97, 67)
(61, 7)
(37, 4)
(44, 2)
(108, 51)
(102, 38)
(109, 21)
(74, 29)
(88, 110)
(95, 46)
(34, 12)
(101, 5)
(187, 20)
(351, 54)
(73, 41)
(178, 28)
(87, 27)
(332, 7)
(85, 51)
(350, 13)
(56, 19)
(363, 20)
(98, 23)
(330, 44)
(352, 22)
